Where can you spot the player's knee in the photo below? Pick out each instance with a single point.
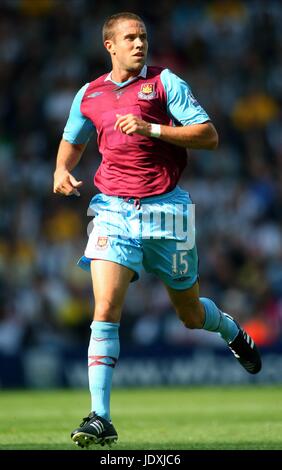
(107, 311)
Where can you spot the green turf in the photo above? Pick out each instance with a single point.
(185, 418)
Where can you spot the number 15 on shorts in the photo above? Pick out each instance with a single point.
(180, 263)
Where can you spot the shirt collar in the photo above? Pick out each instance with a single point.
(143, 74)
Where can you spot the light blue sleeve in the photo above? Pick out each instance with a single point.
(78, 129)
(182, 106)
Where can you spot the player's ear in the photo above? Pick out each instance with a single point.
(109, 46)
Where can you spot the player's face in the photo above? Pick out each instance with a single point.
(130, 45)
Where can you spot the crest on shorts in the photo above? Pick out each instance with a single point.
(147, 91)
(102, 243)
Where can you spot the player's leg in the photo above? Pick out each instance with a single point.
(115, 260)
(198, 312)
(110, 283)
(179, 271)
(203, 313)
(174, 260)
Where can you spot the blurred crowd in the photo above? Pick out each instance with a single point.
(230, 52)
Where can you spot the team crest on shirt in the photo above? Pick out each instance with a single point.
(102, 243)
(147, 91)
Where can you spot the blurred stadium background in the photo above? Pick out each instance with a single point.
(231, 54)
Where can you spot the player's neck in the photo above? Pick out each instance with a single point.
(120, 76)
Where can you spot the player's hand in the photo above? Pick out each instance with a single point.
(130, 124)
(65, 183)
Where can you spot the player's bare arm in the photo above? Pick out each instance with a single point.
(67, 159)
(196, 136)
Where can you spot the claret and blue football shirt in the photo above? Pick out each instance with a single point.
(134, 165)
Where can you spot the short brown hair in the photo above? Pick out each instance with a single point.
(108, 28)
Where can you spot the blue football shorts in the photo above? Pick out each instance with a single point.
(157, 233)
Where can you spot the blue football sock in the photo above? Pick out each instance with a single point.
(219, 321)
(103, 354)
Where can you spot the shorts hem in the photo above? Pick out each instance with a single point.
(84, 263)
(180, 285)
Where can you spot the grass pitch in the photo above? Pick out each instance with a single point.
(206, 418)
